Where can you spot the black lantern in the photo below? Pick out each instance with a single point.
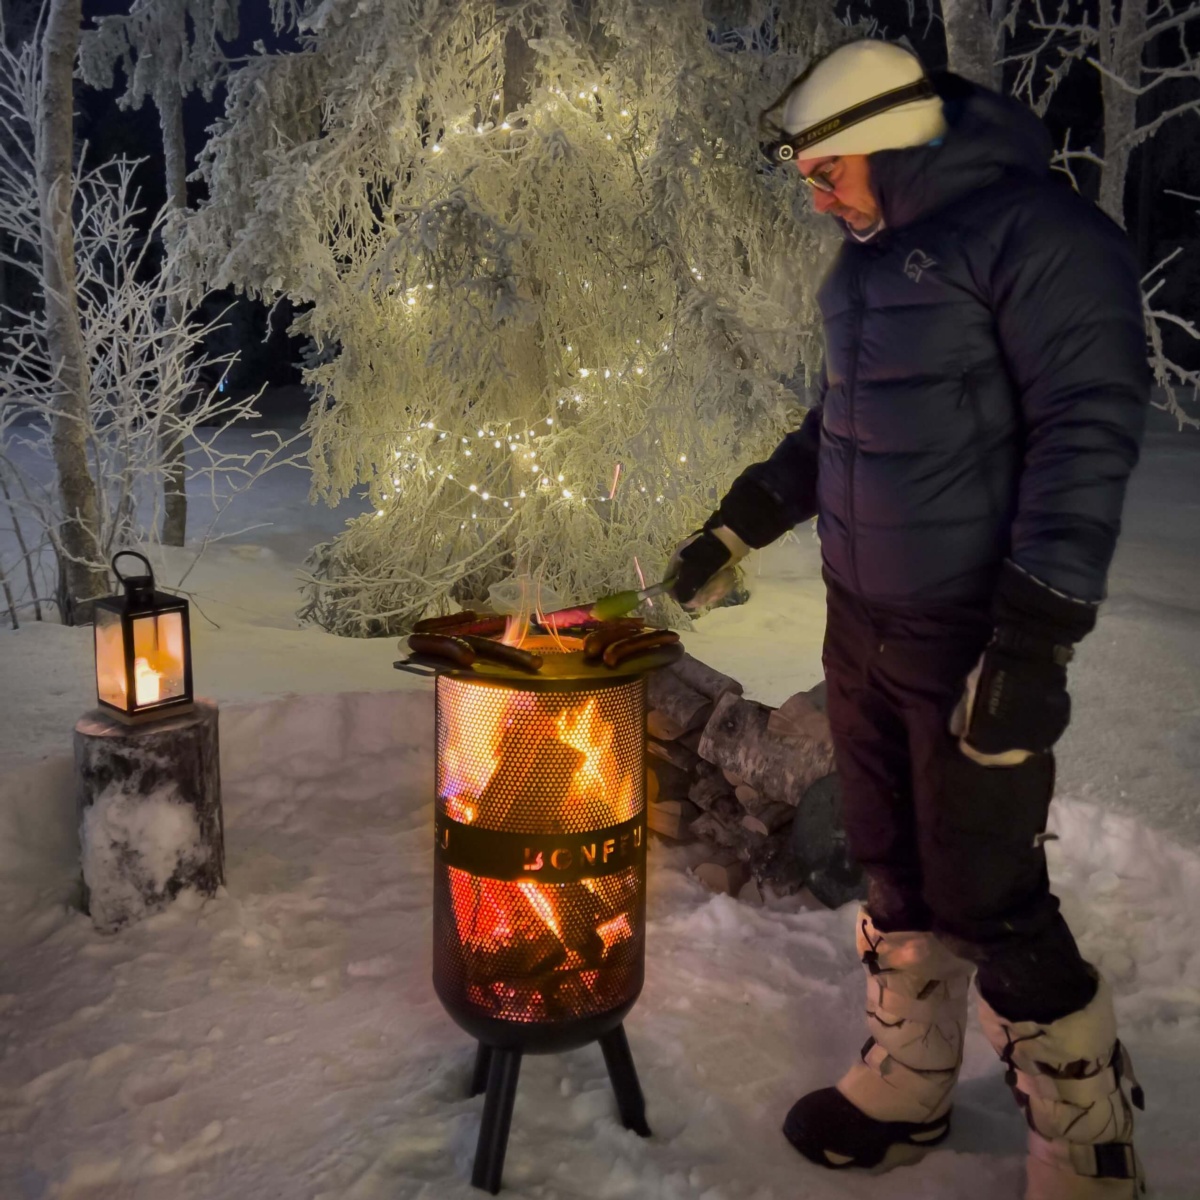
(143, 649)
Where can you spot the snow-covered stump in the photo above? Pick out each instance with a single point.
(150, 823)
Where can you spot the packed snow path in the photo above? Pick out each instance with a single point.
(284, 1038)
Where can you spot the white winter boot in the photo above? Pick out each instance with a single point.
(1067, 1075)
(891, 1107)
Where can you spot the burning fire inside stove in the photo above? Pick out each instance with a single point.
(539, 909)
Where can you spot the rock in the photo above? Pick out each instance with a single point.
(819, 846)
(746, 795)
(773, 863)
(751, 893)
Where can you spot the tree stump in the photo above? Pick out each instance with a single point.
(149, 803)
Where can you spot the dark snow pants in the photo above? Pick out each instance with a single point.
(948, 845)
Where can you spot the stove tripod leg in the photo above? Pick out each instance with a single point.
(503, 1069)
(621, 1071)
(479, 1078)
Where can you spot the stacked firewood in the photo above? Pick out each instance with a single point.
(755, 784)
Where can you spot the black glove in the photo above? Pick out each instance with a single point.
(1019, 702)
(695, 562)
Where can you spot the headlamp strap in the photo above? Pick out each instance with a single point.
(791, 145)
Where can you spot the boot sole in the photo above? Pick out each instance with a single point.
(882, 1145)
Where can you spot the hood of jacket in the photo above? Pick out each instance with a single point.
(988, 136)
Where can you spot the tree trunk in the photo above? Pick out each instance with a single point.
(173, 449)
(1120, 51)
(970, 45)
(85, 576)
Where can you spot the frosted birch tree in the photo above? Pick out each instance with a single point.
(972, 31)
(128, 362)
(166, 49)
(1149, 77)
(556, 297)
(54, 124)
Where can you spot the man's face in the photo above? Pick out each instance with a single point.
(851, 199)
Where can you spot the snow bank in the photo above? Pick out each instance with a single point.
(284, 1039)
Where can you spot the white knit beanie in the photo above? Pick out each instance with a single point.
(863, 97)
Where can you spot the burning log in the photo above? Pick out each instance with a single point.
(738, 739)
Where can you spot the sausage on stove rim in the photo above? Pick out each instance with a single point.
(510, 656)
(606, 634)
(640, 643)
(440, 645)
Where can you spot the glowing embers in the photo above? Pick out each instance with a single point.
(534, 952)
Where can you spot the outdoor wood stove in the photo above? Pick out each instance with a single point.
(539, 908)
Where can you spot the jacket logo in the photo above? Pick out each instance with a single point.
(917, 263)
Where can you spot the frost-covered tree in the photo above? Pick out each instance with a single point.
(93, 379)
(50, 122)
(555, 296)
(166, 49)
(1143, 56)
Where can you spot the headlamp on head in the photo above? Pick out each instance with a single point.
(861, 98)
(784, 147)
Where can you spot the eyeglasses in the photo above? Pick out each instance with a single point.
(820, 181)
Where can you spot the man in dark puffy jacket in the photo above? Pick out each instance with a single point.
(982, 403)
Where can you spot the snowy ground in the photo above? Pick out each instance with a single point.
(284, 1040)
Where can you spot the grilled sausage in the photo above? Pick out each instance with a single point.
(611, 631)
(440, 645)
(449, 621)
(480, 627)
(641, 643)
(510, 656)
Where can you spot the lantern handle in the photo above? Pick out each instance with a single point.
(131, 554)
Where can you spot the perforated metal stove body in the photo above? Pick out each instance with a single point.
(540, 871)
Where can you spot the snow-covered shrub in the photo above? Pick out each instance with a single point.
(557, 298)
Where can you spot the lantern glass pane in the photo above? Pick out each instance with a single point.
(158, 653)
(110, 659)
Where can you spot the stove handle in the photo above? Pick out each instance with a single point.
(415, 666)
